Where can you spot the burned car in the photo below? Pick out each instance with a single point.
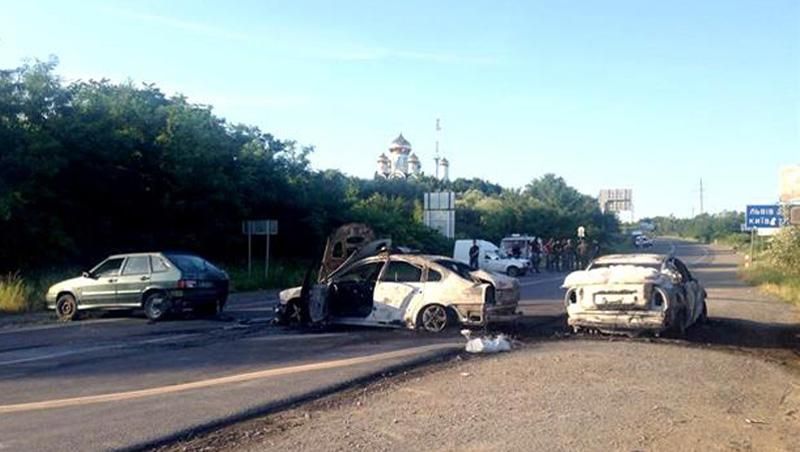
(634, 293)
(378, 285)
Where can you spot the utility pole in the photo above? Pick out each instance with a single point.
(436, 158)
(701, 196)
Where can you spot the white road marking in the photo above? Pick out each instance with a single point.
(95, 349)
(540, 281)
(238, 378)
(12, 330)
(289, 337)
(240, 306)
(706, 255)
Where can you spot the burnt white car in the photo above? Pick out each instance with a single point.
(634, 293)
(377, 285)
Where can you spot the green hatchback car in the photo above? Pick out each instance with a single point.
(158, 283)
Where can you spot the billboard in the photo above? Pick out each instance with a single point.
(790, 184)
(440, 212)
(616, 200)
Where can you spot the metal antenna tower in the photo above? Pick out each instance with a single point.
(701, 196)
(436, 157)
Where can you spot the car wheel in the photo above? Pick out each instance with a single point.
(156, 306)
(433, 318)
(512, 271)
(679, 327)
(66, 308)
(208, 309)
(296, 315)
(703, 319)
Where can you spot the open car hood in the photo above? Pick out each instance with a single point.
(370, 249)
(346, 245)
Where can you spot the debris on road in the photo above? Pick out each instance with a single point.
(499, 343)
(754, 421)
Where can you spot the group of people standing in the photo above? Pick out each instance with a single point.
(561, 255)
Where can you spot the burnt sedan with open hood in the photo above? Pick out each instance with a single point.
(377, 285)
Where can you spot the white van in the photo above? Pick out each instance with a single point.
(491, 258)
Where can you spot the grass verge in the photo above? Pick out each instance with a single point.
(21, 293)
(14, 294)
(281, 275)
(783, 285)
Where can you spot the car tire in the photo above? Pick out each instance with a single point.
(296, 315)
(703, 319)
(434, 318)
(679, 327)
(156, 306)
(66, 308)
(208, 309)
(512, 271)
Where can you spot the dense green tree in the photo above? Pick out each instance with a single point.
(93, 167)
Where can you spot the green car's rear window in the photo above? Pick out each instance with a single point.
(191, 264)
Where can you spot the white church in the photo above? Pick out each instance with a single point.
(401, 163)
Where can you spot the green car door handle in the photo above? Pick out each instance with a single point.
(144, 278)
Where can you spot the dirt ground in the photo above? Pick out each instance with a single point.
(731, 385)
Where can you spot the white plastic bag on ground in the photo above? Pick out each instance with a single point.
(499, 343)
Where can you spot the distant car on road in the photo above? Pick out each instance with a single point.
(643, 241)
(158, 283)
(377, 285)
(631, 293)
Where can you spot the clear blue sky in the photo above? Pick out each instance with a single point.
(651, 95)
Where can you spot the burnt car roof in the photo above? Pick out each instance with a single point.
(633, 259)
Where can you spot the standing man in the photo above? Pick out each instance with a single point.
(583, 254)
(536, 254)
(474, 254)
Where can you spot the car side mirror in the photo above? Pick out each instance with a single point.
(88, 275)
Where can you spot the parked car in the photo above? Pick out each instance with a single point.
(518, 242)
(378, 285)
(643, 241)
(634, 293)
(491, 258)
(158, 283)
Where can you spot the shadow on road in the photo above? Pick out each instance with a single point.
(747, 334)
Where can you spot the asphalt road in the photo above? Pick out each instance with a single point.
(730, 384)
(120, 382)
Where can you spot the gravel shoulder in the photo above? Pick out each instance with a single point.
(733, 384)
(553, 395)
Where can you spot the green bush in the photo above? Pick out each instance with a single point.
(281, 276)
(783, 251)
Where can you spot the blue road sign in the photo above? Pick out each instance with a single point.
(763, 216)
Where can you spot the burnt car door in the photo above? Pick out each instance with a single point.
(350, 294)
(320, 295)
(693, 289)
(400, 285)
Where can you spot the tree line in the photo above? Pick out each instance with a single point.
(705, 227)
(90, 168)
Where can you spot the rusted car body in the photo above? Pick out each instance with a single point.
(634, 293)
(377, 285)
